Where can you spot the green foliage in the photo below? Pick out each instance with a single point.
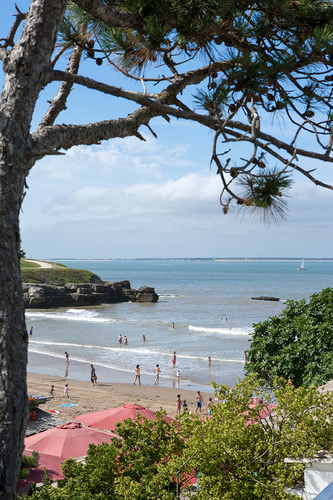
(22, 254)
(58, 276)
(237, 454)
(264, 194)
(297, 344)
(28, 463)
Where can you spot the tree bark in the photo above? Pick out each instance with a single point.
(23, 66)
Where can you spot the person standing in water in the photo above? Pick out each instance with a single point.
(30, 331)
(137, 374)
(125, 340)
(209, 361)
(67, 357)
(174, 359)
(157, 372)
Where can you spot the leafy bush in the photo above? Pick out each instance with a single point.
(297, 344)
(28, 463)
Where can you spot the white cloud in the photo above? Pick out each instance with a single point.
(191, 193)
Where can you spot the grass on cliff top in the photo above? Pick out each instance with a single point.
(57, 275)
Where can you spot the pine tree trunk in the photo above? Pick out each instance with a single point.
(24, 67)
(13, 335)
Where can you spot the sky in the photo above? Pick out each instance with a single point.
(160, 198)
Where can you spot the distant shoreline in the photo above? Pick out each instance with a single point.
(212, 259)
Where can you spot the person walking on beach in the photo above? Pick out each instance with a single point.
(199, 400)
(137, 374)
(157, 372)
(52, 390)
(209, 404)
(179, 404)
(66, 391)
(174, 359)
(184, 406)
(92, 374)
(67, 357)
(30, 331)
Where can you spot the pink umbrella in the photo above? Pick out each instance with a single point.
(69, 440)
(107, 419)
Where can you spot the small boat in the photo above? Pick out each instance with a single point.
(302, 268)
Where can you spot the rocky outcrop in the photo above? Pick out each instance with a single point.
(274, 299)
(88, 294)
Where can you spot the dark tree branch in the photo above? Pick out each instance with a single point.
(58, 103)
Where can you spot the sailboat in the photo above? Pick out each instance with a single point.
(302, 268)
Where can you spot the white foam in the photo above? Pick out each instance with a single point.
(171, 296)
(71, 315)
(222, 331)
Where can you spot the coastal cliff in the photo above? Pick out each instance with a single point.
(45, 296)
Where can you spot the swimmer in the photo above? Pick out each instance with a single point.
(173, 325)
(125, 340)
(143, 338)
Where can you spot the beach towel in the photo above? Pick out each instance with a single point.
(56, 411)
(69, 404)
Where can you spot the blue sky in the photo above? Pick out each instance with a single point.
(159, 198)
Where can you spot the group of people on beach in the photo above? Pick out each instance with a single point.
(199, 403)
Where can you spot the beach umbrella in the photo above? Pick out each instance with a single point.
(69, 440)
(107, 419)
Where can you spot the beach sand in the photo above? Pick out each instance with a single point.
(104, 395)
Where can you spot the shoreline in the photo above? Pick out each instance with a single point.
(53, 366)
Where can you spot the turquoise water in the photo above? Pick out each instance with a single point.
(197, 296)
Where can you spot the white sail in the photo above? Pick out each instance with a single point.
(302, 268)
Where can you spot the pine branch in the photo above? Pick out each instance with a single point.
(111, 17)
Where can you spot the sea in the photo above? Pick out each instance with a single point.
(205, 308)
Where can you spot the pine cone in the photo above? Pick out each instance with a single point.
(90, 43)
(99, 61)
(90, 53)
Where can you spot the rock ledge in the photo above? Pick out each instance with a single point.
(42, 296)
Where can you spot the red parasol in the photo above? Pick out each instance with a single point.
(107, 419)
(69, 440)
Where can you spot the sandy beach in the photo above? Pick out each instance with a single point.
(106, 395)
